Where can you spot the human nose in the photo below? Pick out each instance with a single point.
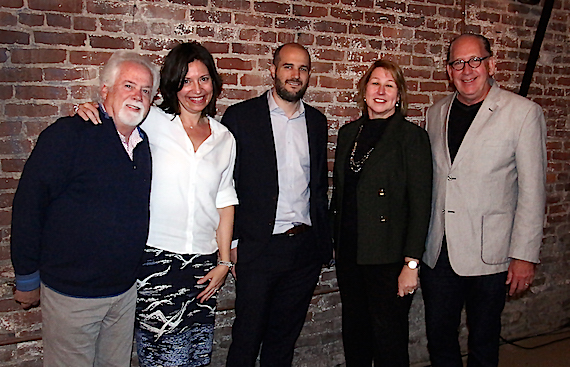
(296, 73)
(195, 87)
(467, 67)
(137, 94)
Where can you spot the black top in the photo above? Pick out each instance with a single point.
(370, 135)
(80, 214)
(460, 118)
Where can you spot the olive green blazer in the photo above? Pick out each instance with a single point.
(393, 192)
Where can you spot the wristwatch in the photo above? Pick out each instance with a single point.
(412, 264)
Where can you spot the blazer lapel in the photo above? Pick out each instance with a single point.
(471, 140)
(264, 132)
(312, 133)
(344, 150)
(444, 116)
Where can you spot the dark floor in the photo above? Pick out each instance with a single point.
(552, 350)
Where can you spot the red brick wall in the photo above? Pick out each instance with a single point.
(50, 51)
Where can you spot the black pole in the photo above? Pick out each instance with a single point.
(535, 50)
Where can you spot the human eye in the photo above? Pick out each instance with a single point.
(186, 81)
(304, 69)
(146, 90)
(128, 85)
(205, 78)
(457, 64)
(476, 61)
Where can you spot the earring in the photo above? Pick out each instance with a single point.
(398, 104)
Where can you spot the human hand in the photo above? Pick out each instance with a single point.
(27, 299)
(88, 111)
(216, 277)
(520, 276)
(407, 281)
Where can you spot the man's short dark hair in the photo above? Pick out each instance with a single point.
(484, 42)
(174, 72)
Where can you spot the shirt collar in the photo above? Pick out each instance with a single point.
(103, 111)
(273, 107)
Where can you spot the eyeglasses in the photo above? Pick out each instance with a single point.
(474, 62)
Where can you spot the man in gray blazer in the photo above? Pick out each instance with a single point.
(489, 161)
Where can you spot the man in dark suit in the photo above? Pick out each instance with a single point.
(281, 223)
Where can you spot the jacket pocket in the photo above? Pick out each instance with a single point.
(496, 238)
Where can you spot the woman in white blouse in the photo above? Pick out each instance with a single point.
(187, 257)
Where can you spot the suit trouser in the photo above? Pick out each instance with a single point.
(445, 293)
(87, 332)
(273, 293)
(374, 317)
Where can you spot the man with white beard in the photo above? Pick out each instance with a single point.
(80, 222)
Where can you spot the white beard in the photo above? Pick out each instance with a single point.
(130, 117)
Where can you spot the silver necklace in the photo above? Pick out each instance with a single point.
(356, 165)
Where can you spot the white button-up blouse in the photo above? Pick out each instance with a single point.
(188, 187)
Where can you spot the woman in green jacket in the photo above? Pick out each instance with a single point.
(381, 210)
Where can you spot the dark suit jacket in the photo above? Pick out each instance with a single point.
(393, 192)
(256, 176)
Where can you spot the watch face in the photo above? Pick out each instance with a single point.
(413, 264)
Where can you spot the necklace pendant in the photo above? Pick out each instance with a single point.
(357, 165)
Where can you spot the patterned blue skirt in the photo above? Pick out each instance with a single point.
(172, 327)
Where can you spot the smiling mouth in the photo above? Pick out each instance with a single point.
(468, 80)
(379, 100)
(294, 83)
(197, 100)
(134, 107)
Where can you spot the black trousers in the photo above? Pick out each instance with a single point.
(445, 293)
(273, 293)
(374, 317)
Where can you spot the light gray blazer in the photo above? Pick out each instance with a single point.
(490, 201)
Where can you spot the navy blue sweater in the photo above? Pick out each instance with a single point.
(81, 212)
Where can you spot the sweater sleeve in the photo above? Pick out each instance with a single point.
(44, 177)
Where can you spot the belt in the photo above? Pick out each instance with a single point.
(301, 228)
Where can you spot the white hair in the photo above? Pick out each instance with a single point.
(110, 71)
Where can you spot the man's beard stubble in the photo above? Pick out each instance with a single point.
(285, 94)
